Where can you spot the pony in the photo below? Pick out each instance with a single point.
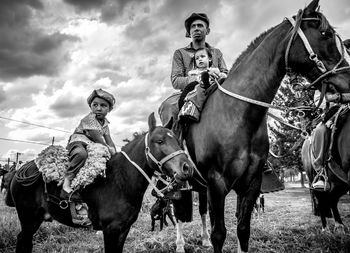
(325, 203)
(230, 143)
(113, 202)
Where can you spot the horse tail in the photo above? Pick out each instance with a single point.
(8, 197)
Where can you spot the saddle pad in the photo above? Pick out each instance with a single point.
(169, 108)
(53, 162)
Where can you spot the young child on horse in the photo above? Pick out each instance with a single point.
(93, 128)
(195, 92)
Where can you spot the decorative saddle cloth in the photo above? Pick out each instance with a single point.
(52, 162)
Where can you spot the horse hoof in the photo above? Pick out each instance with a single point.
(326, 230)
(180, 250)
(206, 243)
(339, 229)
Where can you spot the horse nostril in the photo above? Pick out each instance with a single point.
(186, 169)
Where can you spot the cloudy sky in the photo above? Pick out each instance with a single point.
(53, 53)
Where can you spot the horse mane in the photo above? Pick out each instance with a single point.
(251, 47)
(324, 26)
(131, 143)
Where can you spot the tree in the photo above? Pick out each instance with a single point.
(285, 140)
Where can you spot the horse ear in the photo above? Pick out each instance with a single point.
(312, 7)
(169, 125)
(151, 122)
(347, 43)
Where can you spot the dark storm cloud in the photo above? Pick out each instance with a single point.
(109, 10)
(83, 5)
(26, 50)
(2, 97)
(68, 107)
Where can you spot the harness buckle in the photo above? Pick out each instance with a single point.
(63, 204)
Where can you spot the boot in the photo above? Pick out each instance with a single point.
(205, 84)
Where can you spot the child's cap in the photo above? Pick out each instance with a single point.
(102, 94)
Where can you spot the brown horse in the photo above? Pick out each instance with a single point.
(115, 201)
(325, 203)
(230, 144)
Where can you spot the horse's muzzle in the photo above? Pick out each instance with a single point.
(186, 172)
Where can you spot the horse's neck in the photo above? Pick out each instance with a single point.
(260, 73)
(137, 154)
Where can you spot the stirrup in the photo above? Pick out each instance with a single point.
(319, 185)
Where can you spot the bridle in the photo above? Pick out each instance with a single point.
(163, 160)
(312, 56)
(159, 164)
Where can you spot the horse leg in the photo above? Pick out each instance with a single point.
(114, 239)
(153, 223)
(25, 237)
(180, 241)
(161, 220)
(203, 209)
(338, 223)
(247, 201)
(217, 192)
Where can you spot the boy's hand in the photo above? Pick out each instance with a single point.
(111, 150)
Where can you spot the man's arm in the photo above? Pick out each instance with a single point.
(179, 80)
(221, 62)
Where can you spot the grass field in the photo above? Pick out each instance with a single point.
(286, 226)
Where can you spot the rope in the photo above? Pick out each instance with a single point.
(26, 177)
(143, 173)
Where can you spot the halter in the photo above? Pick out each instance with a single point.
(312, 56)
(165, 159)
(159, 163)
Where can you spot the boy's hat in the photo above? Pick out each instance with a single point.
(194, 16)
(102, 94)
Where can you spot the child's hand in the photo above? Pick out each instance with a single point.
(112, 150)
(214, 72)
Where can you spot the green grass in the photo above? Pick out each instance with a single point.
(286, 226)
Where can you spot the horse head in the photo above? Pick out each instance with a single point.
(323, 60)
(164, 150)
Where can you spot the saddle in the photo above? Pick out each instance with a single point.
(29, 174)
(322, 148)
(52, 163)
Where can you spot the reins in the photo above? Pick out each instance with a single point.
(313, 57)
(160, 164)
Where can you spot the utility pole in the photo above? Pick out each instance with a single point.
(17, 156)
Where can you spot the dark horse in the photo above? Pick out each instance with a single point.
(114, 202)
(230, 144)
(325, 203)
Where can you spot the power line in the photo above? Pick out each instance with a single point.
(28, 123)
(32, 142)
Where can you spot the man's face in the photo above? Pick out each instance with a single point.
(198, 30)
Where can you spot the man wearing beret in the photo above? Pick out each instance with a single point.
(197, 28)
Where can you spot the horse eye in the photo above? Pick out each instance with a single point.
(160, 141)
(327, 34)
